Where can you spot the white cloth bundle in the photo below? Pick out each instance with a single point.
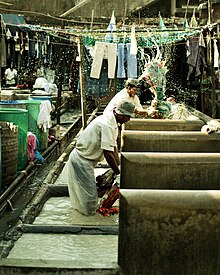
(44, 120)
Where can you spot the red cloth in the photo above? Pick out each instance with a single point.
(31, 146)
(106, 212)
(105, 206)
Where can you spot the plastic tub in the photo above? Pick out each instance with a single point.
(33, 107)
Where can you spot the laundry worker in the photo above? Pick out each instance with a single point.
(11, 76)
(147, 90)
(97, 141)
(129, 93)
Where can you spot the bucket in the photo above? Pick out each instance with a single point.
(12, 104)
(41, 97)
(9, 153)
(33, 107)
(18, 117)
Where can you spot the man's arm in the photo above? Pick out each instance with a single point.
(140, 111)
(113, 160)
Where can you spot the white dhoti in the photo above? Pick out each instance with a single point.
(78, 173)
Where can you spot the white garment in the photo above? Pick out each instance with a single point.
(44, 120)
(133, 49)
(101, 134)
(123, 94)
(102, 50)
(216, 54)
(111, 36)
(78, 174)
(10, 76)
(40, 83)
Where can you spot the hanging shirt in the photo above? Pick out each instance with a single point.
(123, 94)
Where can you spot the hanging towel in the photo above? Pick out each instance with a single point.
(44, 120)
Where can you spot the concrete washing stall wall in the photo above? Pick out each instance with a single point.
(170, 171)
(169, 141)
(169, 203)
(163, 125)
(169, 232)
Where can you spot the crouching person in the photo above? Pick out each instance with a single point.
(98, 140)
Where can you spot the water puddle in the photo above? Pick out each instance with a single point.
(102, 252)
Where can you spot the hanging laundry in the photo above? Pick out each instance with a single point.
(193, 22)
(201, 40)
(161, 23)
(44, 119)
(3, 52)
(185, 24)
(121, 61)
(8, 34)
(133, 49)
(131, 62)
(102, 50)
(164, 34)
(216, 54)
(111, 36)
(16, 36)
(209, 45)
(33, 147)
(196, 57)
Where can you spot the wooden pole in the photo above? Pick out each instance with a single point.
(173, 7)
(209, 12)
(92, 18)
(213, 93)
(125, 13)
(82, 82)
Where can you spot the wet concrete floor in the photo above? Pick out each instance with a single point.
(82, 250)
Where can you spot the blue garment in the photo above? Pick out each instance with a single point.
(48, 54)
(31, 46)
(131, 63)
(37, 154)
(121, 61)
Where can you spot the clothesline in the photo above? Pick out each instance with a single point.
(169, 36)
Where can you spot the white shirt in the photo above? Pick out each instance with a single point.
(123, 94)
(10, 76)
(101, 134)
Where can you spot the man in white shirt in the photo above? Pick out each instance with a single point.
(97, 141)
(10, 76)
(129, 93)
